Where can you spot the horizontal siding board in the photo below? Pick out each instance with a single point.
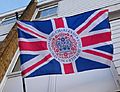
(6, 28)
(115, 30)
(80, 6)
(117, 63)
(3, 32)
(116, 40)
(116, 45)
(115, 26)
(114, 22)
(117, 50)
(116, 57)
(118, 69)
(116, 35)
(2, 38)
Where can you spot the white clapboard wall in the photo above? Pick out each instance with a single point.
(72, 7)
(115, 29)
(4, 30)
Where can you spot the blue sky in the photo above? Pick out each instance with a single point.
(8, 5)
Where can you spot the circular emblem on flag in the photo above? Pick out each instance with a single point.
(64, 45)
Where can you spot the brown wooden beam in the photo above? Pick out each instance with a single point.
(9, 46)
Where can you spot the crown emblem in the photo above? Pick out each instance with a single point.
(64, 44)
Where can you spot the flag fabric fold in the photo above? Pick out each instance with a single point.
(65, 45)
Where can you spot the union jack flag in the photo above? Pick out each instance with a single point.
(65, 45)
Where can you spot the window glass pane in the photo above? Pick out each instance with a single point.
(38, 15)
(41, 0)
(47, 12)
(17, 66)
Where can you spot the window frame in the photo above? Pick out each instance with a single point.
(9, 18)
(7, 21)
(45, 8)
(9, 73)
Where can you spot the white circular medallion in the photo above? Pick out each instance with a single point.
(64, 45)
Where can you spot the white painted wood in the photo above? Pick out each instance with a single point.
(115, 76)
(113, 23)
(99, 80)
(72, 7)
(117, 63)
(6, 28)
(116, 40)
(116, 56)
(117, 35)
(38, 84)
(117, 50)
(13, 85)
(118, 69)
(9, 71)
(2, 38)
(115, 31)
(86, 82)
(115, 27)
(116, 45)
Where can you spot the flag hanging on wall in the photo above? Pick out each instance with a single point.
(65, 45)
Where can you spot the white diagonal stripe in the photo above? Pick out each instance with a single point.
(32, 28)
(100, 51)
(34, 60)
(97, 32)
(94, 24)
(29, 33)
(38, 66)
(87, 20)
